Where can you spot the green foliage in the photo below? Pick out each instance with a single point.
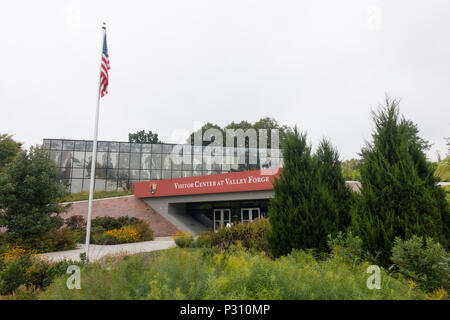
(251, 235)
(347, 247)
(233, 274)
(310, 199)
(399, 196)
(30, 190)
(55, 240)
(425, 262)
(184, 240)
(99, 194)
(350, 169)
(8, 149)
(101, 225)
(443, 170)
(144, 137)
(266, 123)
(29, 271)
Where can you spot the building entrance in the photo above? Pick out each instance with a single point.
(221, 218)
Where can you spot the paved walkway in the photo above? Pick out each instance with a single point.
(96, 252)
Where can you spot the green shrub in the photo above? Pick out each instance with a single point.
(399, 195)
(310, 199)
(76, 222)
(235, 274)
(58, 240)
(443, 170)
(144, 231)
(184, 240)
(347, 247)
(249, 235)
(426, 262)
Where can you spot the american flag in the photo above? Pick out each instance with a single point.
(104, 79)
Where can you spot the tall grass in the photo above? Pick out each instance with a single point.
(235, 274)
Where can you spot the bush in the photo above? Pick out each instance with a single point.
(237, 274)
(347, 247)
(30, 189)
(76, 222)
(144, 231)
(425, 262)
(310, 199)
(399, 195)
(23, 271)
(58, 240)
(249, 235)
(184, 240)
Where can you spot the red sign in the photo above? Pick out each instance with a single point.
(217, 183)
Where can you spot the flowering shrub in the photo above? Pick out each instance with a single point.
(250, 234)
(183, 239)
(126, 234)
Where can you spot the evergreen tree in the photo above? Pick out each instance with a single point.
(306, 206)
(399, 195)
(30, 190)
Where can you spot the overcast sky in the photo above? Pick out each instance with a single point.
(320, 65)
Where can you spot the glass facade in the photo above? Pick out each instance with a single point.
(120, 164)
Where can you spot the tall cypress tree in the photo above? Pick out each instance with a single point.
(304, 209)
(399, 195)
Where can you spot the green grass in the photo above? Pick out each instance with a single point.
(84, 195)
(212, 274)
(443, 170)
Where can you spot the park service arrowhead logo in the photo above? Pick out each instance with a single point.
(153, 188)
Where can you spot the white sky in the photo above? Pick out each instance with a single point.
(319, 64)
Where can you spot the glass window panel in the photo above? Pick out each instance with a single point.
(166, 174)
(113, 147)
(89, 145)
(86, 184)
(56, 145)
(146, 148)
(187, 174)
(102, 146)
(111, 185)
(196, 173)
(197, 161)
(76, 185)
(124, 175)
(135, 147)
(187, 149)
(100, 173)
(198, 150)
(80, 145)
(56, 156)
(124, 160)
(166, 159)
(176, 174)
(47, 143)
(66, 159)
(135, 161)
(102, 160)
(77, 173)
(124, 147)
(111, 174)
(167, 148)
(155, 174)
(134, 174)
(65, 173)
(156, 148)
(175, 165)
(188, 166)
(145, 175)
(207, 173)
(207, 162)
(156, 161)
(99, 184)
(113, 159)
(146, 161)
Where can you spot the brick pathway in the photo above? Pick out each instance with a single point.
(124, 206)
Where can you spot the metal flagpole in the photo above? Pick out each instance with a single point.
(94, 153)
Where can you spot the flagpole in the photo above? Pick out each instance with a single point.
(94, 154)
